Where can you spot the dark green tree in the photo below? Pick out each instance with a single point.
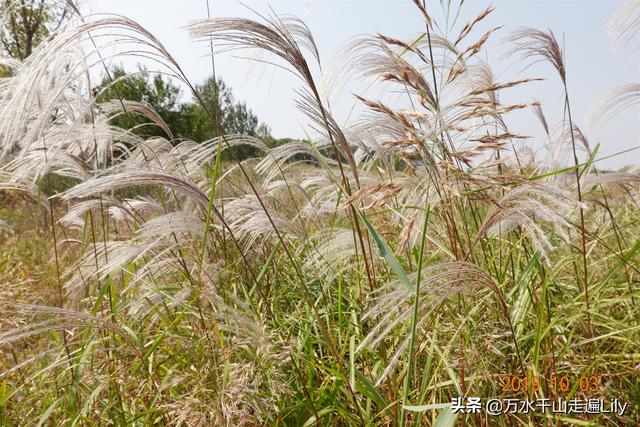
(234, 117)
(157, 92)
(194, 120)
(26, 23)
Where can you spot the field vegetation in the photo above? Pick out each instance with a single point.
(365, 275)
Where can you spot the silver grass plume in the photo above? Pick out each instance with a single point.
(333, 252)
(10, 183)
(531, 43)
(285, 38)
(625, 22)
(117, 108)
(154, 249)
(130, 178)
(528, 206)
(250, 224)
(621, 98)
(393, 306)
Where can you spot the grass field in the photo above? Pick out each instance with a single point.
(365, 276)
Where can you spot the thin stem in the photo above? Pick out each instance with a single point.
(585, 277)
(414, 319)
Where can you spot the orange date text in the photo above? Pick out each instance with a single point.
(560, 383)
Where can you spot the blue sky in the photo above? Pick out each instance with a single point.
(593, 67)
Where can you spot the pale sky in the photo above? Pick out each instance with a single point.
(593, 67)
